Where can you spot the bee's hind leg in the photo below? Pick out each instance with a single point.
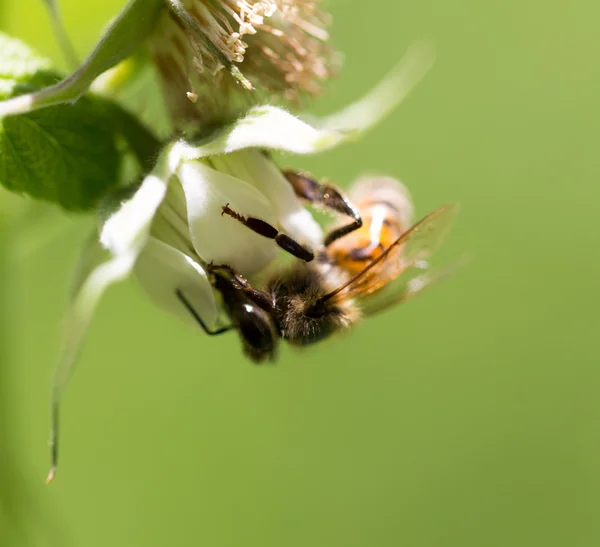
(327, 196)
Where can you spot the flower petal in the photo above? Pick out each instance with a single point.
(126, 230)
(378, 103)
(124, 235)
(219, 238)
(253, 166)
(97, 272)
(267, 127)
(274, 128)
(170, 225)
(162, 270)
(122, 238)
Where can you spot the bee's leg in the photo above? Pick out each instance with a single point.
(197, 317)
(327, 196)
(240, 283)
(267, 230)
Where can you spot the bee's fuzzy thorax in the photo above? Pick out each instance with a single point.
(297, 295)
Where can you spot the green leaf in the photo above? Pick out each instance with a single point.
(65, 154)
(21, 68)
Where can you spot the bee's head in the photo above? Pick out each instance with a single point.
(303, 317)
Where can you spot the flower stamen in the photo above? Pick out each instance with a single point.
(275, 46)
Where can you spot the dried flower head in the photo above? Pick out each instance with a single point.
(210, 54)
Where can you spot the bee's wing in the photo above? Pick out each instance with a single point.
(412, 282)
(427, 235)
(406, 257)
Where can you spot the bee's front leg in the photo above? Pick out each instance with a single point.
(197, 317)
(325, 195)
(240, 283)
(265, 229)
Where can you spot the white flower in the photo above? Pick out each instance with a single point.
(170, 227)
(189, 229)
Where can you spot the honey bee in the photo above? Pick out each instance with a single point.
(369, 264)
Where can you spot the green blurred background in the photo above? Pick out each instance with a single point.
(468, 417)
